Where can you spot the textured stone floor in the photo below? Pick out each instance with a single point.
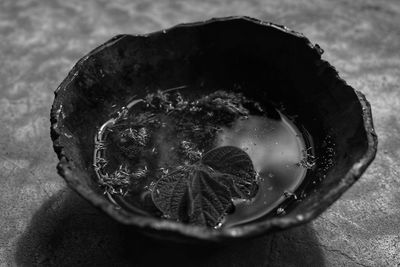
(43, 223)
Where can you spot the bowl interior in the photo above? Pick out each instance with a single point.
(265, 62)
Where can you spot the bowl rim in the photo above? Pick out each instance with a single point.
(65, 166)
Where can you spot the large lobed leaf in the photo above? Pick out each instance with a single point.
(237, 170)
(202, 193)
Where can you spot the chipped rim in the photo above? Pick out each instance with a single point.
(178, 230)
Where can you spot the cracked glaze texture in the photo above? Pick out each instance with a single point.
(43, 223)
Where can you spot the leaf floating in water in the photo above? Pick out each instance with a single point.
(193, 195)
(171, 194)
(202, 193)
(211, 199)
(237, 169)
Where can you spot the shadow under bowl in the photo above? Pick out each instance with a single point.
(264, 61)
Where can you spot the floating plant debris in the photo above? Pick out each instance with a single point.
(218, 160)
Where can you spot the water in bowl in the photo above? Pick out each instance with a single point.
(162, 131)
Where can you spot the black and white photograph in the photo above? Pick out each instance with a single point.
(213, 133)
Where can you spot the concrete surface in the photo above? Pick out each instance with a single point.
(43, 223)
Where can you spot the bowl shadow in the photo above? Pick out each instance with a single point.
(68, 231)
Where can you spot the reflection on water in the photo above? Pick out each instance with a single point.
(275, 147)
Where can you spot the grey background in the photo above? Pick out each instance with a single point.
(43, 223)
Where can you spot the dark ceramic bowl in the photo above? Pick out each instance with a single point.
(268, 61)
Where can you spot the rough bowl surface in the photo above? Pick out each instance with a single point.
(262, 60)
